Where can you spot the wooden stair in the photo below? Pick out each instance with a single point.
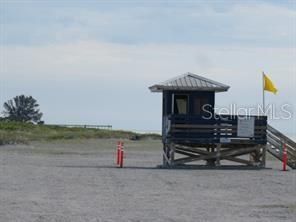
(275, 141)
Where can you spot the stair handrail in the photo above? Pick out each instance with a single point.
(281, 136)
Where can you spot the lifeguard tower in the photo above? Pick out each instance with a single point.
(192, 131)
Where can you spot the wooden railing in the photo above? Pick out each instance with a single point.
(221, 129)
(276, 140)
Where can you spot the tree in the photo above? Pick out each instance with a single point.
(22, 108)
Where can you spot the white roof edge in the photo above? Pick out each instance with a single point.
(163, 85)
(155, 88)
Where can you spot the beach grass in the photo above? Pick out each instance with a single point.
(16, 132)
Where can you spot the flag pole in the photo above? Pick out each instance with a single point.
(263, 93)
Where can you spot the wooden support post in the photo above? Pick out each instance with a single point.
(285, 157)
(263, 156)
(259, 156)
(166, 151)
(171, 154)
(218, 156)
(255, 156)
(163, 155)
(211, 162)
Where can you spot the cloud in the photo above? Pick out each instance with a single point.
(252, 23)
(140, 62)
(96, 69)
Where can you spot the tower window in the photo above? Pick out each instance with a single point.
(180, 104)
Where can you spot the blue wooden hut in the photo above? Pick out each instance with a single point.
(192, 131)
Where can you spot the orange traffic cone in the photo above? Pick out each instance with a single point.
(121, 155)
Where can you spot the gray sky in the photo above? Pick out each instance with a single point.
(91, 62)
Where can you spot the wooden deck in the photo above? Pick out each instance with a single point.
(195, 139)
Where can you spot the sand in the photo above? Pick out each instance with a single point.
(77, 181)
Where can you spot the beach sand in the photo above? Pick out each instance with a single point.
(78, 181)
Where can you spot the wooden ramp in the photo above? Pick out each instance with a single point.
(275, 141)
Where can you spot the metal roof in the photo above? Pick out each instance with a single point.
(191, 82)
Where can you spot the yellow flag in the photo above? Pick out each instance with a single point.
(268, 85)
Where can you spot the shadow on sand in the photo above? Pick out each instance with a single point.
(182, 167)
